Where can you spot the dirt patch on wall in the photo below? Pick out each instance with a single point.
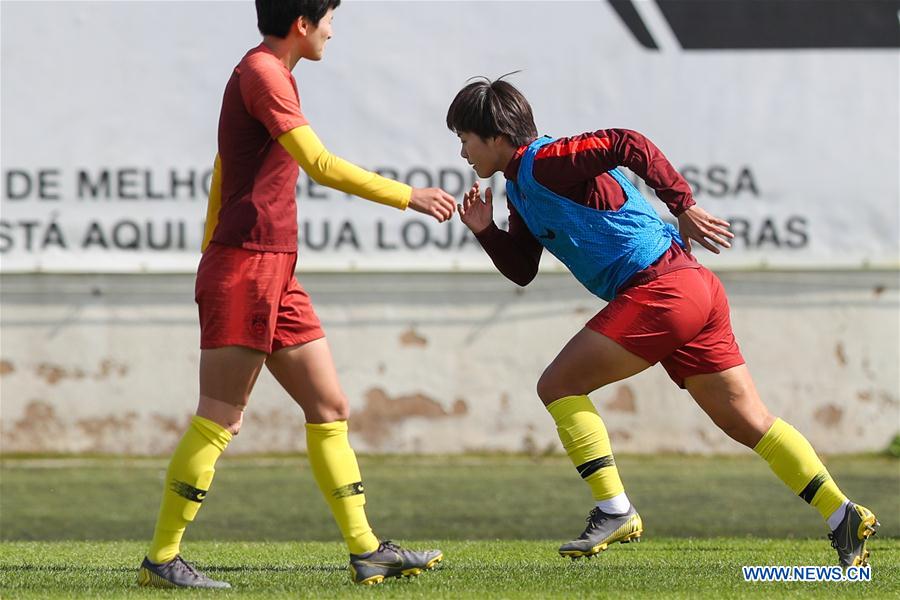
(840, 354)
(111, 433)
(619, 435)
(53, 373)
(411, 337)
(382, 412)
(624, 401)
(38, 430)
(829, 415)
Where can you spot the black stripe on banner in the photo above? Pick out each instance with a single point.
(813, 486)
(629, 15)
(781, 24)
(592, 466)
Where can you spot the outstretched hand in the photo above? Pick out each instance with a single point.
(434, 202)
(477, 215)
(698, 225)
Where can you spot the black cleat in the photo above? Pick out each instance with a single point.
(602, 530)
(390, 560)
(174, 574)
(850, 536)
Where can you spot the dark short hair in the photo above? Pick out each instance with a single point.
(491, 108)
(275, 17)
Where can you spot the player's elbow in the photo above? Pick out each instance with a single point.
(523, 281)
(322, 169)
(522, 278)
(318, 176)
(321, 174)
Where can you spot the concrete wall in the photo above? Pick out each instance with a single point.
(435, 363)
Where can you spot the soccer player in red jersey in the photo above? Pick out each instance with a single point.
(568, 196)
(253, 312)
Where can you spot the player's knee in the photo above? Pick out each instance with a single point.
(231, 420)
(544, 389)
(551, 388)
(341, 413)
(229, 416)
(234, 427)
(554, 385)
(330, 410)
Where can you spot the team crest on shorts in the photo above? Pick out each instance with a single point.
(258, 323)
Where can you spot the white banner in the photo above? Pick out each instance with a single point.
(110, 110)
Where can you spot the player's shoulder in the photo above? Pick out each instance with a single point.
(574, 144)
(260, 61)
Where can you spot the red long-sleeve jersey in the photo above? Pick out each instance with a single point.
(576, 168)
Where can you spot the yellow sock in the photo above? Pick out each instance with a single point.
(793, 459)
(584, 437)
(336, 471)
(187, 481)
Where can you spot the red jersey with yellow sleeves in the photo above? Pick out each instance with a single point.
(263, 137)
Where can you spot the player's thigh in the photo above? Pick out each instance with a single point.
(730, 399)
(308, 374)
(296, 323)
(238, 293)
(641, 326)
(589, 361)
(714, 348)
(228, 374)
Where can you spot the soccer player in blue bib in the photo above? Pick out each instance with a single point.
(568, 196)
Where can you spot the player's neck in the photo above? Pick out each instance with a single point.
(284, 49)
(505, 152)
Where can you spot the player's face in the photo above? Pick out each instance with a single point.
(481, 154)
(318, 36)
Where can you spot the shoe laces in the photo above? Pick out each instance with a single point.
(596, 516)
(834, 543)
(186, 566)
(388, 545)
(594, 519)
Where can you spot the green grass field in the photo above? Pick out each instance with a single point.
(78, 528)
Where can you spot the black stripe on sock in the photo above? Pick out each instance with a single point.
(809, 492)
(186, 490)
(351, 489)
(592, 466)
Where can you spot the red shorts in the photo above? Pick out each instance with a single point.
(679, 319)
(250, 298)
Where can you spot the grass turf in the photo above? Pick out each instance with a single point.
(668, 567)
(463, 498)
(488, 511)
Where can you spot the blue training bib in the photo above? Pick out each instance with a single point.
(603, 249)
